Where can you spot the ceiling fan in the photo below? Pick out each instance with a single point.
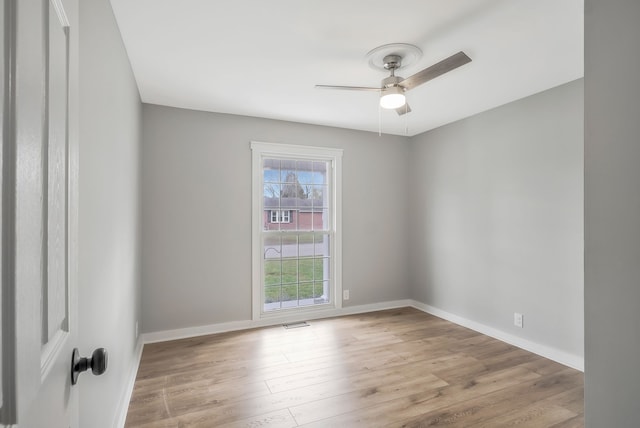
(392, 88)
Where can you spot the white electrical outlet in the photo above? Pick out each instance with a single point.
(345, 295)
(136, 329)
(518, 320)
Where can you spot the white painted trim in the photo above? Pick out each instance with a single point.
(260, 150)
(570, 360)
(62, 15)
(336, 243)
(565, 358)
(256, 219)
(123, 405)
(51, 352)
(311, 152)
(183, 333)
(8, 181)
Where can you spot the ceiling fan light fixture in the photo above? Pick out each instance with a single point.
(392, 88)
(392, 98)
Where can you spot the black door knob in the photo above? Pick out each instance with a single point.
(97, 362)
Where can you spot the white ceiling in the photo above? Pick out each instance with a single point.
(263, 57)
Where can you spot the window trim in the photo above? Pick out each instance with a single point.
(259, 151)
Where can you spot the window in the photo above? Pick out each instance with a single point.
(296, 219)
(280, 216)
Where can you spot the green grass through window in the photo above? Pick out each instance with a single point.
(293, 279)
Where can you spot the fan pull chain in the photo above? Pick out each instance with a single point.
(406, 119)
(379, 120)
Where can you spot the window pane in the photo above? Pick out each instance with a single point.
(271, 177)
(320, 196)
(316, 219)
(321, 269)
(321, 245)
(322, 290)
(289, 246)
(296, 258)
(289, 271)
(305, 172)
(317, 269)
(322, 218)
(271, 191)
(306, 291)
(272, 295)
(290, 292)
(305, 248)
(287, 167)
(320, 172)
(272, 272)
(306, 270)
(272, 247)
(305, 215)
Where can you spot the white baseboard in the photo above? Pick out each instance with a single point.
(123, 406)
(183, 333)
(570, 360)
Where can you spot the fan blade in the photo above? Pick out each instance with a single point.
(444, 66)
(349, 88)
(403, 110)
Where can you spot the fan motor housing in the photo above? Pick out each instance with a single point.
(391, 81)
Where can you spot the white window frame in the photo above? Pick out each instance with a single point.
(260, 151)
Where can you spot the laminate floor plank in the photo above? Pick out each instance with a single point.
(482, 408)
(540, 415)
(393, 368)
(360, 399)
(577, 422)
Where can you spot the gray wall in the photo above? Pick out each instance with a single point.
(612, 213)
(496, 214)
(109, 243)
(196, 205)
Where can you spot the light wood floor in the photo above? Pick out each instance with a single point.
(395, 368)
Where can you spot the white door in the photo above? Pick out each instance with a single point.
(39, 212)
